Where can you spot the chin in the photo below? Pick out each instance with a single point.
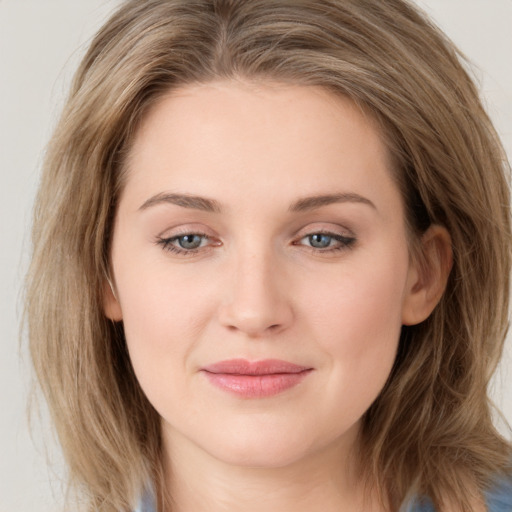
(268, 448)
(260, 455)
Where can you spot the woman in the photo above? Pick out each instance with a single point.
(271, 263)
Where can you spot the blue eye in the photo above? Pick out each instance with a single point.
(326, 242)
(189, 241)
(320, 240)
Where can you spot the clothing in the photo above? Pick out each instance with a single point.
(499, 499)
(146, 504)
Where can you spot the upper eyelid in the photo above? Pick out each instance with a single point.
(182, 230)
(176, 232)
(336, 231)
(327, 231)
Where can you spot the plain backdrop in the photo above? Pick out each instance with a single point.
(41, 42)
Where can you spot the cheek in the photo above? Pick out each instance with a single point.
(163, 315)
(358, 323)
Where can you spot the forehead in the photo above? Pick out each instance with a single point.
(237, 136)
(255, 106)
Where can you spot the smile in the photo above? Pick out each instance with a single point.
(258, 379)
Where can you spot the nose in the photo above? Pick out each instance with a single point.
(256, 301)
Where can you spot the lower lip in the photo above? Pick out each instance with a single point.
(256, 386)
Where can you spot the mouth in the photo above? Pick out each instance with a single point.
(256, 379)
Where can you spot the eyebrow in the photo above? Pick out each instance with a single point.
(184, 200)
(313, 202)
(210, 205)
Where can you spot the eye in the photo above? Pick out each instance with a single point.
(326, 242)
(190, 241)
(320, 240)
(187, 243)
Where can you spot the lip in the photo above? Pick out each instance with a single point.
(255, 379)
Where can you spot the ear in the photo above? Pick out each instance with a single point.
(111, 306)
(428, 275)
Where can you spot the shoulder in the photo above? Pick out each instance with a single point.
(499, 497)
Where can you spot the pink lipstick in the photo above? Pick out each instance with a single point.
(257, 379)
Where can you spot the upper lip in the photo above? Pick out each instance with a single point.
(263, 367)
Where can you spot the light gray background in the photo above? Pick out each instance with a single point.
(41, 42)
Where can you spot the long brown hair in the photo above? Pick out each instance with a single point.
(430, 430)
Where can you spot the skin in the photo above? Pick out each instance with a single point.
(256, 288)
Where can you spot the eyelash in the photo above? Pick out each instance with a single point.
(168, 243)
(344, 243)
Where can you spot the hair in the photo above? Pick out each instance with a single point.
(430, 431)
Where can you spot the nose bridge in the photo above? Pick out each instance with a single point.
(255, 299)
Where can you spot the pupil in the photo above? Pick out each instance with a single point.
(190, 241)
(320, 241)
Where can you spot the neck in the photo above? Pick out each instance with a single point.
(328, 480)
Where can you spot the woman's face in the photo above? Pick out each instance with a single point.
(261, 269)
